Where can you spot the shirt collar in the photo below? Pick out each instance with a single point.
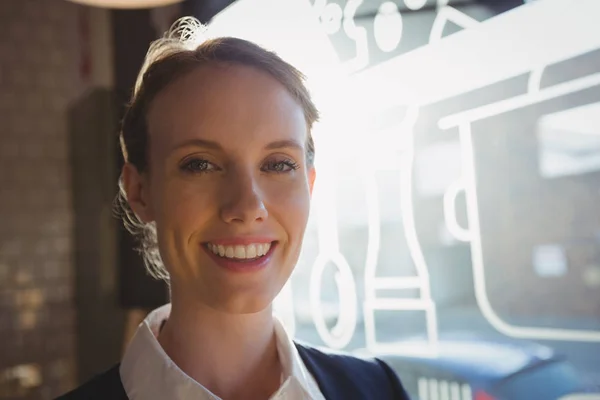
(147, 372)
(292, 363)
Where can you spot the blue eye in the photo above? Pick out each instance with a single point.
(279, 167)
(198, 165)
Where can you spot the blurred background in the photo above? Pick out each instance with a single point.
(455, 228)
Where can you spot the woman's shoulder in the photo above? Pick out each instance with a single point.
(338, 359)
(106, 385)
(357, 377)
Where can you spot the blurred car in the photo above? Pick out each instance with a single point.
(468, 368)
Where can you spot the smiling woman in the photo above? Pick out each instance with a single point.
(217, 185)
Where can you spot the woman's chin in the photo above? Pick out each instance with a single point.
(243, 304)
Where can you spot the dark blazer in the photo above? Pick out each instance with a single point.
(340, 377)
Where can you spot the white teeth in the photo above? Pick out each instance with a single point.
(265, 247)
(250, 251)
(240, 252)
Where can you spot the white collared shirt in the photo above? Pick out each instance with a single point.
(148, 373)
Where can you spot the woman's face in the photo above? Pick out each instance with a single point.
(228, 186)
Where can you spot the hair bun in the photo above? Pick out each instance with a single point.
(188, 30)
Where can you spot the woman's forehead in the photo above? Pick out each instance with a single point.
(220, 101)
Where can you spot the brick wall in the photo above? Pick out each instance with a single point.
(38, 79)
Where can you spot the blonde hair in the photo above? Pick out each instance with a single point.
(183, 49)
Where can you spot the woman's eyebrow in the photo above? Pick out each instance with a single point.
(208, 144)
(287, 143)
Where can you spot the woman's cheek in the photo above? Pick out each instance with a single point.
(291, 200)
(185, 201)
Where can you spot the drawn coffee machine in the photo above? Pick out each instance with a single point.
(442, 70)
(535, 104)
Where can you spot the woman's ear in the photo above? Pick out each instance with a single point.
(137, 192)
(312, 175)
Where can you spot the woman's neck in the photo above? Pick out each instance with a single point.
(233, 356)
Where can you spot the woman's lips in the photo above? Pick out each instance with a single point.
(249, 257)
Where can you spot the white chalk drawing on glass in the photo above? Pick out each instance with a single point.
(324, 203)
(463, 122)
(358, 34)
(420, 280)
(388, 26)
(569, 141)
(566, 25)
(446, 14)
(329, 252)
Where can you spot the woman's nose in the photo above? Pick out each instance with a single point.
(243, 201)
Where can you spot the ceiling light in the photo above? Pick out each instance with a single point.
(126, 3)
